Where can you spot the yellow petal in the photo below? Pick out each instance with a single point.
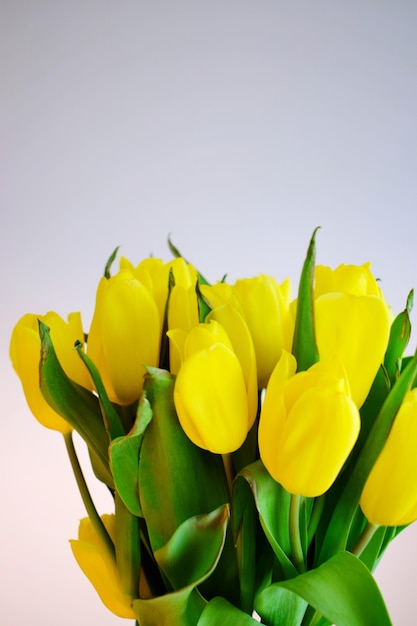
(100, 568)
(237, 331)
(266, 310)
(124, 335)
(25, 348)
(308, 425)
(390, 494)
(356, 330)
(317, 436)
(211, 400)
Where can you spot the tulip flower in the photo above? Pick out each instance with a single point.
(265, 306)
(124, 335)
(352, 322)
(389, 497)
(210, 394)
(308, 425)
(100, 567)
(25, 348)
(154, 273)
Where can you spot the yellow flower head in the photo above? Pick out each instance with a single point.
(265, 307)
(352, 323)
(124, 335)
(25, 355)
(308, 425)
(389, 497)
(211, 394)
(100, 567)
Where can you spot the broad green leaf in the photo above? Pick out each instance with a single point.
(194, 549)
(280, 607)
(219, 612)
(78, 406)
(340, 522)
(343, 590)
(175, 476)
(124, 455)
(180, 479)
(273, 505)
(180, 608)
(304, 343)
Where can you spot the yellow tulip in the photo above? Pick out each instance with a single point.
(210, 393)
(265, 307)
(308, 425)
(124, 335)
(100, 567)
(25, 354)
(389, 497)
(352, 322)
(241, 340)
(154, 273)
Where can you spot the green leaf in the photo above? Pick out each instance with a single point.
(180, 608)
(273, 505)
(110, 416)
(398, 340)
(194, 549)
(178, 478)
(127, 544)
(175, 476)
(343, 590)
(304, 343)
(124, 455)
(76, 405)
(110, 262)
(280, 607)
(343, 515)
(219, 612)
(244, 524)
(177, 254)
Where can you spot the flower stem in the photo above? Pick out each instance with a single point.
(86, 497)
(365, 537)
(295, 538)
(229, 470)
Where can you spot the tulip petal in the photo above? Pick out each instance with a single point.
(389, 497)
(211, 400)
(100, 568)
(355, 329)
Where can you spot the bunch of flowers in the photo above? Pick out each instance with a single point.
(260, 450)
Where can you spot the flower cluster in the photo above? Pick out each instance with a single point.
(260, 449)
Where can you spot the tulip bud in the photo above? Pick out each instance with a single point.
(352, 322)
(265, 307)
(100, 567)
(389, 497)
(308, 425)
(124, 335)
(25, 348)
(210, 393)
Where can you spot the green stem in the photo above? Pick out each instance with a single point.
(95, 518)
(229, 470)
(365, 537)
(295, 537)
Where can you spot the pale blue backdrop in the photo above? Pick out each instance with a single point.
(237, 126)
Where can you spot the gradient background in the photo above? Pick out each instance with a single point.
(237, 126)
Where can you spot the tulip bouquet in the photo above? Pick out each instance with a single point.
(260, 451)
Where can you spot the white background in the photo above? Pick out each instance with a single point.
(237, 126)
